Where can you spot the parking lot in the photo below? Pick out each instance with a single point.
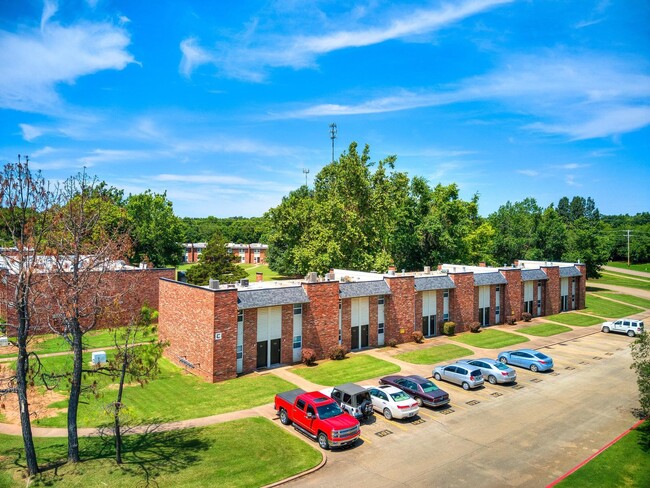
(526, 434)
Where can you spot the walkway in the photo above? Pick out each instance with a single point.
(633, 272)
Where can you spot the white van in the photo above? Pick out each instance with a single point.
(630, 327)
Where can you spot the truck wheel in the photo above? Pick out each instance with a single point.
(323, 442)
(284, 418)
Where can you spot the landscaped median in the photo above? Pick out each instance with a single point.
(608, 308)
(489, 339)
(238, 453)
(350, 370)
(434, 354)
(544, 330)
(621, 297)
(575, 319)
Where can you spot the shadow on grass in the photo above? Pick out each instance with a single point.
(595, 288)
(644, 436)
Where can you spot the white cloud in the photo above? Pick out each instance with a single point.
(41, 59)
(203, 179)
(30, 132)
(528, 172)
(249, 56)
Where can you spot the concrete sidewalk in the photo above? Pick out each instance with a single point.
(632, 272)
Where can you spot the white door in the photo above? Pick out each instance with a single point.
(528, 297)
(564, 293)
(360, 318)
(269, 335)
(380, 321)
(484, 305)
(429, 311)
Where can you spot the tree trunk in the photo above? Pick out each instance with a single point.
(118, 407)
(75, 393)
(22, 367)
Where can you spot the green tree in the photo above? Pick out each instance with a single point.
(215, 262)
(587, 243)
(640, 350)
(551, 235)
(516, 226)
(156, 231)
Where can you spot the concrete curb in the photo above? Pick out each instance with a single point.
(599, 451)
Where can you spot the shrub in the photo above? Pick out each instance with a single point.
(308, 356)
(475, 327)
(511, 320)
(338, 352)
(392, 342)
(418, 337)
(526, 316)
(449, 328)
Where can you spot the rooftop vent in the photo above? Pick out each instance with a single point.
(312, 277)
(213, 284)
(231, 285)
(427, 269)
(243, 282)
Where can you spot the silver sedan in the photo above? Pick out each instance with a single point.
(495, 371)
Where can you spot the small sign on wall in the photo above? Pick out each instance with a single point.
(217, 336)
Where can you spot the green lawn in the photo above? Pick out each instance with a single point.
(434, 354)
(621, 297)
(608, 278)
(241, 453)
(636, 267)
(544, 330)
(174, 395)
(607, 308)
(626, 463)
(489, 339)
(350, 370)
(268, 275)
(576, 319)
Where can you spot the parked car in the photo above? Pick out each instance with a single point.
(527, 358)
(423, 390)
(318, 417)
(352, 398)
(630, 327)
(461, 374)
(393, 402)
(495, 371)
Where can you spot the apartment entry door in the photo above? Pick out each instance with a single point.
(359, 322)
(269, 334)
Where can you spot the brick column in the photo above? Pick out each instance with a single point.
(286, 344)
(250, 340)
(225, 321)
(417, 325)
(552, 298)
(581, 286)
(372, 326)
(399, 308)
(462, 300)
(346, 323)
(320, 319)
(440, 310)
(512, 293)
(493, 303)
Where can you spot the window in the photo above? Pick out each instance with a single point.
(445, 294)
(297, 309)
(240, 352)
(497, 288)
(240, 316)
(297, 342)
(380, 328)
(445, 317)
(380, 301)
(300, 404)
(310, 410)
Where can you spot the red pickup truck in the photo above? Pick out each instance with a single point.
(318, 417)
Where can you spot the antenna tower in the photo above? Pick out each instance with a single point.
(333, 131)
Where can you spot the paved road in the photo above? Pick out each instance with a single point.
(522, 437)
(633, 272)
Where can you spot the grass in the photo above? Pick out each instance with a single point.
(575, 319)
(434, 354)
(490, 339)
(544, 330)
(632, 300)
(173, 395)
(625, 463)
(636, 267)
(350, 370)
(241, 453)
(608, 278)
(51, 343)
(607, 308)
(267, 274)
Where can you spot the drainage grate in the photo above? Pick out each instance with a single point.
(383, 433)
(598, 358)
(473, 402)
(555, 373)
(518, 387)
(447, 411)
(569, 368)
(496, 394)
(418, 422)
(536, 380)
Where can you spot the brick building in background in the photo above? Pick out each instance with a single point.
(245, 253)
(220, 331)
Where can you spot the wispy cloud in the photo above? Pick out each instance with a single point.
(249, 56)
(41, 58)
(528, 172)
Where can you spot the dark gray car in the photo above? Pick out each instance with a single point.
(493, 370)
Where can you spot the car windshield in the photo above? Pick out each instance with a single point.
(328, 411)
(501, 366)
(399, 396)
(428, 387)
(541, 355)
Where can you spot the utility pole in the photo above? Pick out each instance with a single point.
(333, 131)
(628, 247)
(306, 171)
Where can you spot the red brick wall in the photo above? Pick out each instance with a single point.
(225, 321)
(462, 302)
(346, 323)
(440, 308)
(553, 301)
(512, 293)
(320, 324)
(286, 344)
(581, 286)
(399, 309)
(493, 303)
(417, 325)
(372, 326)
(250, 340)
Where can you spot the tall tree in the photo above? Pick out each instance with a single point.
(516, 227)
(157, 232)
(82, 252)
(640, 350)
(217, 263)
(25, 199)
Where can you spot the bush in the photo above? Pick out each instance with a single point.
(338, 352)
(526, 316)
(449, 328)
(511, 320)
(392, 342)
(418, 337)
(475, 327)
(308, 356)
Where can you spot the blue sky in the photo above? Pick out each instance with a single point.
(222, 104)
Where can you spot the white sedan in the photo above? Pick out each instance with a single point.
(393, 402)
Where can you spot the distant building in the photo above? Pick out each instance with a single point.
(193, 250)
(245, 253)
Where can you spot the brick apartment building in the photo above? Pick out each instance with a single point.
(220, 331)
(133, 286)
(245, 253)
